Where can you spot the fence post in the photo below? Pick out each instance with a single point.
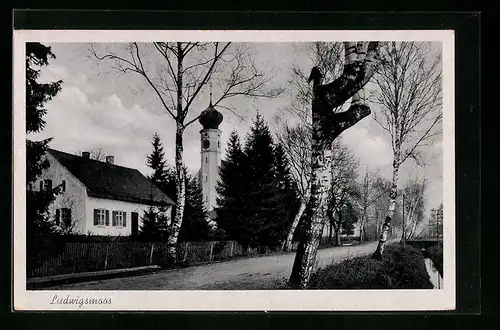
(151, 254)
(231, 249)
(106, 258)
(211, 251)
(184, 259)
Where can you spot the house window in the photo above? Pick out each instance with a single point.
(66, 217)
(46, 185)
(119, 219)
(63, 217)
(101, 217)
(63, 186)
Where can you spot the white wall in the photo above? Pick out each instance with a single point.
(74, 196)
(113, 205)
(210, 162)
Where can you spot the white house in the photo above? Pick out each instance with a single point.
(99, 198)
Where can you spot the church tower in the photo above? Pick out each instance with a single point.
(210, 119)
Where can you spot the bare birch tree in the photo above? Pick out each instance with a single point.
(407, 91)
(297, 139)
(178, 74)
(296, 143)
(327, 124)
(414, 205)
(342, 188)
(368, 195)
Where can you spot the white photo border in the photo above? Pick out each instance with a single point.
(255, 300)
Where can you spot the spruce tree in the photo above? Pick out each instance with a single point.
(195, 226)
(41, 231)
(265, 222)
(156, 161)
(232, 189)
(155, 219)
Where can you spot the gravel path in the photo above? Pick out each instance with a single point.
(265, 272)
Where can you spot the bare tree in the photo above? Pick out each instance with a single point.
(296, 143)
(327, 125)
(342, 190)
(414, 205)
(178, 74)
(95, 153)
(408, 94)
(328, 57)
(382, 187)
(368, 195)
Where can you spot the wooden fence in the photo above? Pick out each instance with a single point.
(76, 257)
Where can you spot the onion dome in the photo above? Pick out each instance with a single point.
(210, 118)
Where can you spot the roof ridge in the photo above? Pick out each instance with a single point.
(94, 160)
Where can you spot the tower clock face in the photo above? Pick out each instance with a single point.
(205, 144)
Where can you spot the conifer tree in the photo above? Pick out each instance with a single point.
(155, 219)
(195, 226)
(40, 229)
(231, 190)
(149, 231)
(265, 221)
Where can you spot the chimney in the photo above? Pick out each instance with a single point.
(110, 159)
(86, 154)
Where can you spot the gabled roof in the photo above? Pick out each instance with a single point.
(111, 181)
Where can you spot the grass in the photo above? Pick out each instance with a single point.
(400, 269)
(435, 253)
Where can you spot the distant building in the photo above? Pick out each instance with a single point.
(208, 175)
(99, 198)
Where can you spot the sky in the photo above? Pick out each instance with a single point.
(101, 108)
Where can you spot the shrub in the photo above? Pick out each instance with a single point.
(400, 269)
(435, 253)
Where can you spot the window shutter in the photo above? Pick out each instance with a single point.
(41, 185)
(124, 219)
(58, 215)
(96, 217)
(67, 217)
(114, 218)
(107, 217)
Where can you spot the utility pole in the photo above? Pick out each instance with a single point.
(404, 225)
(437, 225)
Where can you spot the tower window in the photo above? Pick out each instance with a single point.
(206, 160)
(206, 178)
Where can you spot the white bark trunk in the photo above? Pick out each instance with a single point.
(288, 242)
(180, 184)
(379, 252)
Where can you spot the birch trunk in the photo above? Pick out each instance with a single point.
(288, 242)
(326, 127)
(307, 249)
(379, 252)
(330, 234)
(413, 228)
(180, 182)
(362, 228)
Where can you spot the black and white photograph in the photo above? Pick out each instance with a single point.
(245, 170)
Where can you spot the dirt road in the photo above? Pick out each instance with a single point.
(266, 272)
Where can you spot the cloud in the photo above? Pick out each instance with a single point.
(371, 150)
